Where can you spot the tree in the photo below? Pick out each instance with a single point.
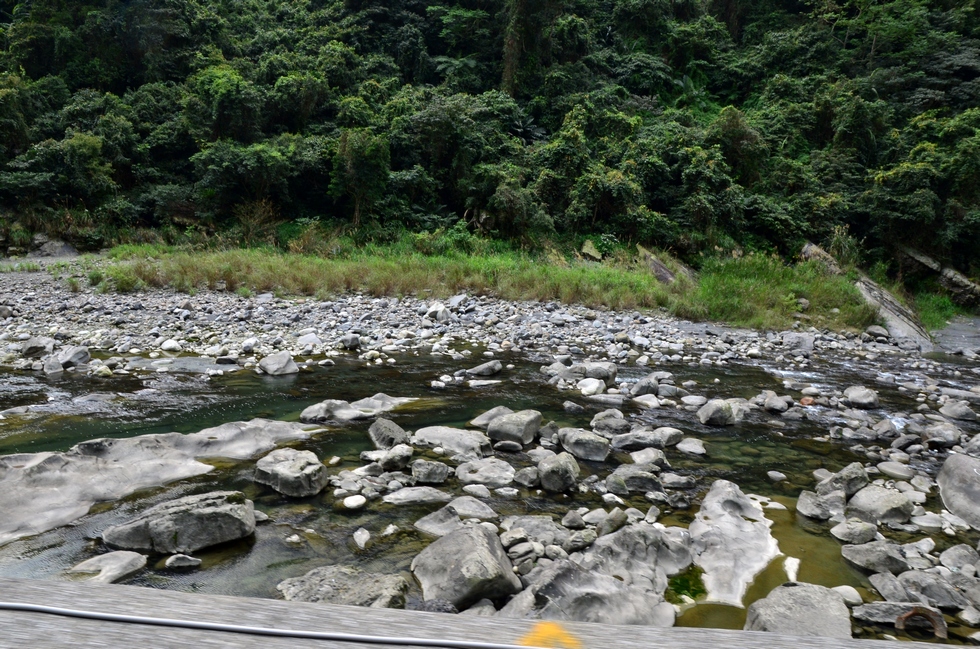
(361, 167)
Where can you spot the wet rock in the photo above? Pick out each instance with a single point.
(959, 486)
(941, 435)
(558, 473)
(732, 542)
(440, 522)
(800, 609)
(717, 412)
(484, 420)
(958, 410)
(346, 585)
(640, 555)
(850, 480)
(639, 477)
(854, 531)
(279, 364)
(527, 477)
(520, 427)
(861, 397)
(186, 524)
(612, 522)
(637, 440)
(338, 410)
(426, 472)
(470, 507)
(691, 446)
(565, 591)
(182, 562)
(876, 504)
(896, 470)
(583, 444)
(74, 356)
(877, 556)
(396, 458)
(492, 472)
(489, 368)
(417, 496)
(931, 589)
(385, 433)
(111, 567)
(959, 556)
(465, 566)
(293, 473)
(37, 347)
(462, 445)
(821, 508)
(889, 587)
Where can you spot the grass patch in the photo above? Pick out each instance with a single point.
(753, 291)
(688, 583)
(21, 267)
(936, 309)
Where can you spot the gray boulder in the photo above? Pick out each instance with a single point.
(800, 609)
(959, 556)
(861, 397)
(278, 364)
(427, 472)
(460, 444)
(74, 356)
(639, 477)
(293, 473)
(440, 522)
(717, 412)
(111, 567)
(565, 591)
(339, 410)
(638, 440)
(492, 472)
(958, 410)
(850, 480)
(583, 444)
(417, 496)
(470, 507)
(385, 433)
(876, 504)
(187, 524)
(821, 508)
(396, 458)
(877, 556)
(931, 589)
(483, 420)
(520, 427)
(889, 587)
(464, 567)
(37, 347)
(486, 369)
(959, 486)
(887, 612)
(640, 555)
(558, 473)
(346, 585)
(854, 531)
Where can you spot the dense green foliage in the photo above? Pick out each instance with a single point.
(693, 125)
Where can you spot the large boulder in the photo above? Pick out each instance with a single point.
(876, 504)
(346, 585)
(732, 542)
(187, 524)
(558, 473)
(278, 364)
(292, 472)
(800, 609)
(37, 347)
(464, 567)
(638, 440)
(959, 486)
(338, 410)
(486, 369)
(565, 591)
(111, 567)
(520, 427)
(385, 433)
(460, 444)
(850, 480)
(74, 356)
(641, 555)
(410, 496)
(490, 471)
(877, 556)
(861, 397)
(719, 412)
(583, 444)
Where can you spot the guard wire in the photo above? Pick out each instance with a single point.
(250, 630)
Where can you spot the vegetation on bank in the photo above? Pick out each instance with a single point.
(689, 125)
(755, 290)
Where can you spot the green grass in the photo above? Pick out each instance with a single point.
(21, 267)
(753, 291)
(936, 309)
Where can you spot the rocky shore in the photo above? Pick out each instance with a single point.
(911, 431)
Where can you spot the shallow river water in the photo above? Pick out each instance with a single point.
(62, 412)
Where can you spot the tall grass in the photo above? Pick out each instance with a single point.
(754, 291)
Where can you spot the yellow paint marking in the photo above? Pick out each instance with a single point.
(550, 634)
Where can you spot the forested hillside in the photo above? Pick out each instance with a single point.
(691, 125)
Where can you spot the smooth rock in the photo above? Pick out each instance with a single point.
(279, 364)
(111, 567)
(347, 586)
(291, 472)
(800, 609)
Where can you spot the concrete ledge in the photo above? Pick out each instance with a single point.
(41, 631)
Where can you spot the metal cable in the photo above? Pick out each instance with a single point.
(250, 630)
